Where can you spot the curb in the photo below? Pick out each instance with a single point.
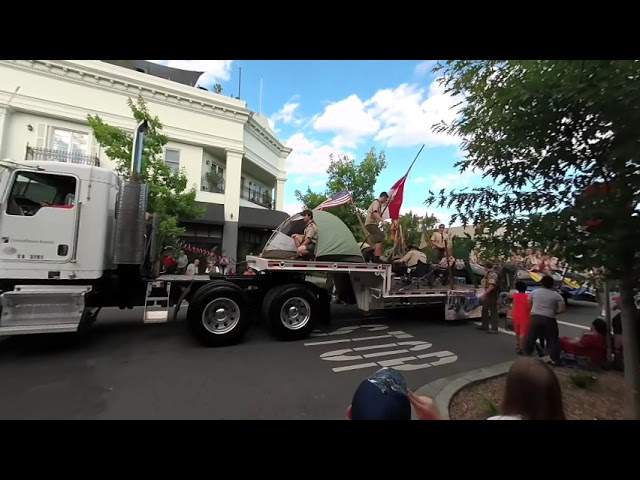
(444, 389)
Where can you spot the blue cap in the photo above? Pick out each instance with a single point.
(382, 396)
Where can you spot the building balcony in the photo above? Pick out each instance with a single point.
(264, 198)
(46, 154)
(212, 183)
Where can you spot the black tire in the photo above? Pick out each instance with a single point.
(223, 295)
(300, 297)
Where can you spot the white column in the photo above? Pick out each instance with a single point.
(5, 117)
(233, 174)
(280, 194)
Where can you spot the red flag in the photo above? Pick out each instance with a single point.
(396, 194)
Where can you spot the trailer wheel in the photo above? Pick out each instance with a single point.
(292, 311)
(217, 315)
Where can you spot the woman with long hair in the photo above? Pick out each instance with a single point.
(532, 392)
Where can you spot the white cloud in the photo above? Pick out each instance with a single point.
(287, 115)
(408, 113)
(399, 117)
(443, 216)
(420, 180)
(348, 120)
(215, 71)
(459, 180)
(424, 67)
(292, 208)
(310, 158)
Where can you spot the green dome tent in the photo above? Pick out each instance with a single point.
(335, 241)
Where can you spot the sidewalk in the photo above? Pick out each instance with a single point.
(444, 389)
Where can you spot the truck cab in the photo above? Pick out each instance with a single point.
(56, 220)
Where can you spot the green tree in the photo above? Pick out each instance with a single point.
(217, 88)
(359, 178)
(413, 226)
(560, 141)
(168, 193)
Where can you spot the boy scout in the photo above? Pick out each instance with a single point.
(489, 299)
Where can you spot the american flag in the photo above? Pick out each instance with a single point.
(338, 199)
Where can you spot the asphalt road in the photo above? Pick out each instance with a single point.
(127, 370)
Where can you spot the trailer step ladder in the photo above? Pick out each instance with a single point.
(156, 302)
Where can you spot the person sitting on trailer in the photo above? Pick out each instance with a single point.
(306, 242)
(410, 259)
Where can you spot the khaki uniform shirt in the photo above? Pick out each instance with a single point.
(375, 207)
(491, 278)
(412, 257)
(531, 262)
(311, 231)
(438, 239)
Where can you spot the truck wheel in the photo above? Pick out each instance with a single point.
(217, 315)
(292, 311)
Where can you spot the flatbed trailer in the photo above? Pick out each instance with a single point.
(222, 308)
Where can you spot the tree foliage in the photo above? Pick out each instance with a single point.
(560, 141)
(413, 226)
(168, 192)
(545, 131)
(358, 178)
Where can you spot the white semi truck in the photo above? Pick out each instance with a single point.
(75, 238)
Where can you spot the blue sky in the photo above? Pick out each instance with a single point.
(347, 107)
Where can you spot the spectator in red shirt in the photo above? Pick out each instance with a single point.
(521, 315)
(592, 345)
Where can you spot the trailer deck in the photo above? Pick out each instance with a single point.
(390, 288)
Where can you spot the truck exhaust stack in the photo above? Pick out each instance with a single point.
(129, 247)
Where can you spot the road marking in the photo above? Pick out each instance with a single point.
(574, 325)
(367, 352)
(500, 329)
(445, 357)
(511, 332)
(339, 355)
(349, 329)
(398, 335)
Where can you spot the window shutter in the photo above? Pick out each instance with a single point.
(42, 130)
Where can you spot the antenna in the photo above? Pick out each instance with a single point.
(240, 84)
(15, 92)
(260, 95)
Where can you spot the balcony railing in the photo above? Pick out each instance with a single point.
(213, 185)
(46, 154)
(263, 199)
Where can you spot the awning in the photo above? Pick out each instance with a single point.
(260, 218)
(213, 214)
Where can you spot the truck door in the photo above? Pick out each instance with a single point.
(38, 217)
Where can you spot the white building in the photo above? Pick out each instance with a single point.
(211, 137)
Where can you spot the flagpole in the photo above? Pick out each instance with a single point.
(390, 199)
(405, 175)
(355, 210)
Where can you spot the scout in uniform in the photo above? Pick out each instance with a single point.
(372, 226)
(489, 300)
(306, 243)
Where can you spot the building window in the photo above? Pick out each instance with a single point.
(67, 141)
(172, 159)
